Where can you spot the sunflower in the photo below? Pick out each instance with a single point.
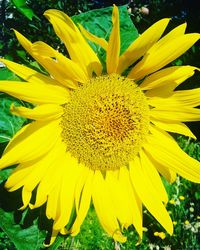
(102, 137)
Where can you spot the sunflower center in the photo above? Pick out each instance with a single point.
(106, 122)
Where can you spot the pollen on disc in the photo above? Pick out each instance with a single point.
(106, 122)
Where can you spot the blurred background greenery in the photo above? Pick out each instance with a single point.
(184, 206)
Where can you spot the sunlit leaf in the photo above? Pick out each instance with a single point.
(24, 9)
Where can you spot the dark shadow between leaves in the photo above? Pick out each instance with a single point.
(10, 202)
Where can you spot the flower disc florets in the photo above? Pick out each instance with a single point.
(106, 122)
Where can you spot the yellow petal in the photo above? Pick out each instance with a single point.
(79, 50)
(167, 173)
(36, 139)
(139, 47)
(35, 93)
(53, 191)
(165, 150)
(40, 113)
(174, 127)
(28, 74)
(30, 173)
(176, 32)
(56, 72)
(189, 98)
(53, 200)
(26, 197)
(123, 196)
(105, 210)
(151, 173)
(48, 188)
(98, 40)
(163, 55)
(70, 174)
(113, 50)
(16, 179)
(27, 174)
(118, 197)
(47, 63)
(84, 204)
(176, 114)
(132, 200)
(183, 98)
(26, 44)
(172, 76)
(58, 64)
(147, 194)
(80, 185)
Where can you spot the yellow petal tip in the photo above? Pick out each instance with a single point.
(117, 235)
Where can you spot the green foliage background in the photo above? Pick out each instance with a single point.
(28, 229)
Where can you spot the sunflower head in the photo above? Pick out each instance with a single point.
(106, 122)
(102, 137)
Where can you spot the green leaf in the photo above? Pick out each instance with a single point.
(26, 229)
(4, 174)
(9, 124)
(21, 54)
(99, 23)
(6, 74)
(24, 238)
(197, 195)
(24, 9)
